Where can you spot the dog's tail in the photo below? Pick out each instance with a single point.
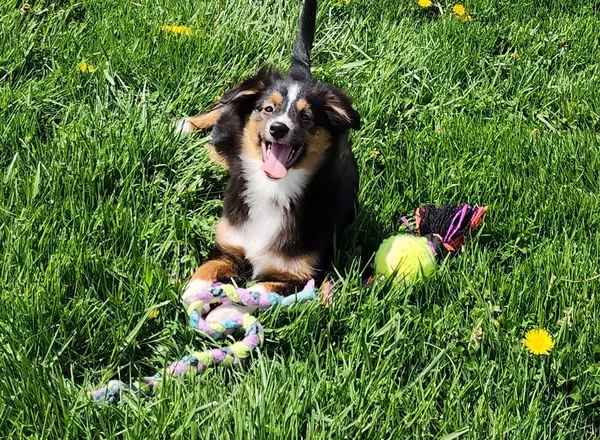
(300, 69)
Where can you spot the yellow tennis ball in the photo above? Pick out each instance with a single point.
(408, 256)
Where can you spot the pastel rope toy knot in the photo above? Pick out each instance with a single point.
(230, 322)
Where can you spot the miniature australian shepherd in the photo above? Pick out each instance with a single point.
(293, 178)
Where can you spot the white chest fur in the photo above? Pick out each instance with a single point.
(269, 202)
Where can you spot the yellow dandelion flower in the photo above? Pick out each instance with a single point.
(153, 314)
(538, 341)
(459, 9)
(425, 3)
(177, 30)
(85, 67)
(345, 2)
(466, 17)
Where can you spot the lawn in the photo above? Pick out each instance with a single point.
(104, 213)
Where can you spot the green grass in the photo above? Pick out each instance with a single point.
(103, 213)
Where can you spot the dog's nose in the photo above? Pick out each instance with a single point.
(278, 130)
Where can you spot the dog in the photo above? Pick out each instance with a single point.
(293, 178)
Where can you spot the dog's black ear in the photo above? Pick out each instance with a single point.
(248, 91)
(339, 110)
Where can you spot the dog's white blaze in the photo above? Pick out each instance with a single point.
(268, 200)
(292, 97)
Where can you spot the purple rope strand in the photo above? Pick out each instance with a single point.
(455, 224)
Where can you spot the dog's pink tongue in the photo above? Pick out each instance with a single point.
(274, 166)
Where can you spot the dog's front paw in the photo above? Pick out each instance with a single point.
(183, 126)
(194, 288)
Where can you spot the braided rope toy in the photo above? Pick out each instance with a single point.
(198, 361)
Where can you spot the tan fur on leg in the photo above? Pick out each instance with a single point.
(215, 270)
(205, 120)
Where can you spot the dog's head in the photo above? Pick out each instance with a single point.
(290, 123)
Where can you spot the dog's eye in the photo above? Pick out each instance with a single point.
(305, 117)
(268, 109)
